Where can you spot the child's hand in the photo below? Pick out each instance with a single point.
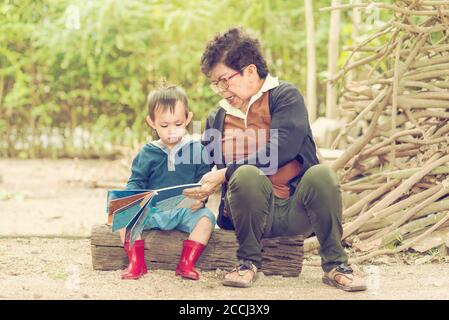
(198, 205)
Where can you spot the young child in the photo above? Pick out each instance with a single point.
(157, 166)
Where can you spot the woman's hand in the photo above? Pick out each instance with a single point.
(210, 182)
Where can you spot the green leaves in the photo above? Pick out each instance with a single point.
(90, 64)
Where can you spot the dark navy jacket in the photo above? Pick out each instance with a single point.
(294, 141)
(156, 167)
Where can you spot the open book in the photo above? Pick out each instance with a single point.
(131, 209)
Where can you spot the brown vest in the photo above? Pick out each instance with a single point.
(238, 142)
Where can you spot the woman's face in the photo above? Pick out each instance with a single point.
(241, 87)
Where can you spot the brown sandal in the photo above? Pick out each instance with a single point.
(242, 282)
(343, 272)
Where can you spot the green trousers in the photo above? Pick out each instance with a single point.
(315, 207)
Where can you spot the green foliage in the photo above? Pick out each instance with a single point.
(78, 71)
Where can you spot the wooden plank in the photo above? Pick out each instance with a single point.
(280, 256)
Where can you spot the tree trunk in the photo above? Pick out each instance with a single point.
(334, 35)
(311, 62)
(280, 255)
(356, 17)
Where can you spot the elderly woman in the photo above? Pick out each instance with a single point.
(272, 183)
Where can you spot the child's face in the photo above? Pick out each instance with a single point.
(170, 127)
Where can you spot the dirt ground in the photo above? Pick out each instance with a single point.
(48, 207)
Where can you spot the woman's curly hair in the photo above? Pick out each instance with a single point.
(236, 50)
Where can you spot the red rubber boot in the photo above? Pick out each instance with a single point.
(191, 251)
(129, 253)
(137, 266)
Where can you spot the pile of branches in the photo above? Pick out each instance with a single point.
(396, 140)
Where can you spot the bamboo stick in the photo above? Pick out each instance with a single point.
(399, 174)
(427, 75)
(355, 208)
(406, 202)
(357, 146)
(443, 130)
(441, 191)
(396, 168)
(377, 224)
(420, 84)
(388, 6)
(432, 67)
(426, 62)
(400, 248)
(434, 162)
(372, 104)
(360, 188)
(390, 140)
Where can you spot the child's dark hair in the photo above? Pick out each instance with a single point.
(164, 98)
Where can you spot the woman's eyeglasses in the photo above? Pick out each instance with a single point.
(223, 84)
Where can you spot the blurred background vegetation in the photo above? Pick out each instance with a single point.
(74, 74)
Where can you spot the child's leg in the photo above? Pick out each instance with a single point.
(137, 266)
(136, 257)
(202, 231)
(200, 225)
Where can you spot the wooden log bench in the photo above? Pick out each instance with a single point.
(281, 255)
